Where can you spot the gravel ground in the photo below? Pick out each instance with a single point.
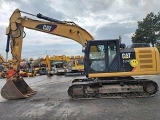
(53, 103)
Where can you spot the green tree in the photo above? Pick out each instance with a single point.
(148, 30)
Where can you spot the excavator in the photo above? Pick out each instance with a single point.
(109, 67)
(58, 64)
(48, 63)
(75, 66)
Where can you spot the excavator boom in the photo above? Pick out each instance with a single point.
(15, 33)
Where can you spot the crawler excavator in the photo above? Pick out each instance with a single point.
(75, 66)
(108, 66)
(58, 64)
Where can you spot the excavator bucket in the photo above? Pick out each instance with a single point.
(16, 90)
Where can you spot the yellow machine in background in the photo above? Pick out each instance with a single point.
(39, 66)
(50, 72)
(57, 64)
(108, 66)
(65, 65)
(36, 65)
(2, 72)
(3, 67)
(75, 66)
(26, 68)
(23, 68)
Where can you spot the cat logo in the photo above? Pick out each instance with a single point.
(47, 27)
(126, 55)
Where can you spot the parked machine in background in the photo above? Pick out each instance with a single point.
(23, 69)
(108, 67)
(59, 63)
(2, 71)
(42, 67)
(75, 66)
(3, 67)
(36, 66)
(50, 72)
(26, 68)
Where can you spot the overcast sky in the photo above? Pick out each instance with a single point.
(103, 19)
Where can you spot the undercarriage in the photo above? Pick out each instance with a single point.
(119, 87)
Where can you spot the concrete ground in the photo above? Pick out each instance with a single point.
(53, 103)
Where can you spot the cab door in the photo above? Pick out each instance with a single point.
(113, 56)
(102, 56)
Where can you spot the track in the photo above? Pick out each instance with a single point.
(112, 88)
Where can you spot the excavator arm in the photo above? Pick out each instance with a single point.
(47, 59)
(15, 86)
(15, 31)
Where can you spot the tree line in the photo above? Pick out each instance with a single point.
(148, 30)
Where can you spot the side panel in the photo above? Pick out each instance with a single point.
(146, 58)
(140, 60)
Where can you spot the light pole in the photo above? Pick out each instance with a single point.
(46, 52)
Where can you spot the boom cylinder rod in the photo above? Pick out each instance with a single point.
(49, 19)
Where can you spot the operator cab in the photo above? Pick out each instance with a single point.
(102, 56)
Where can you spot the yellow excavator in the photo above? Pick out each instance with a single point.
(49, 67)
(58, 64)
(109, 67)
(75, 66)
